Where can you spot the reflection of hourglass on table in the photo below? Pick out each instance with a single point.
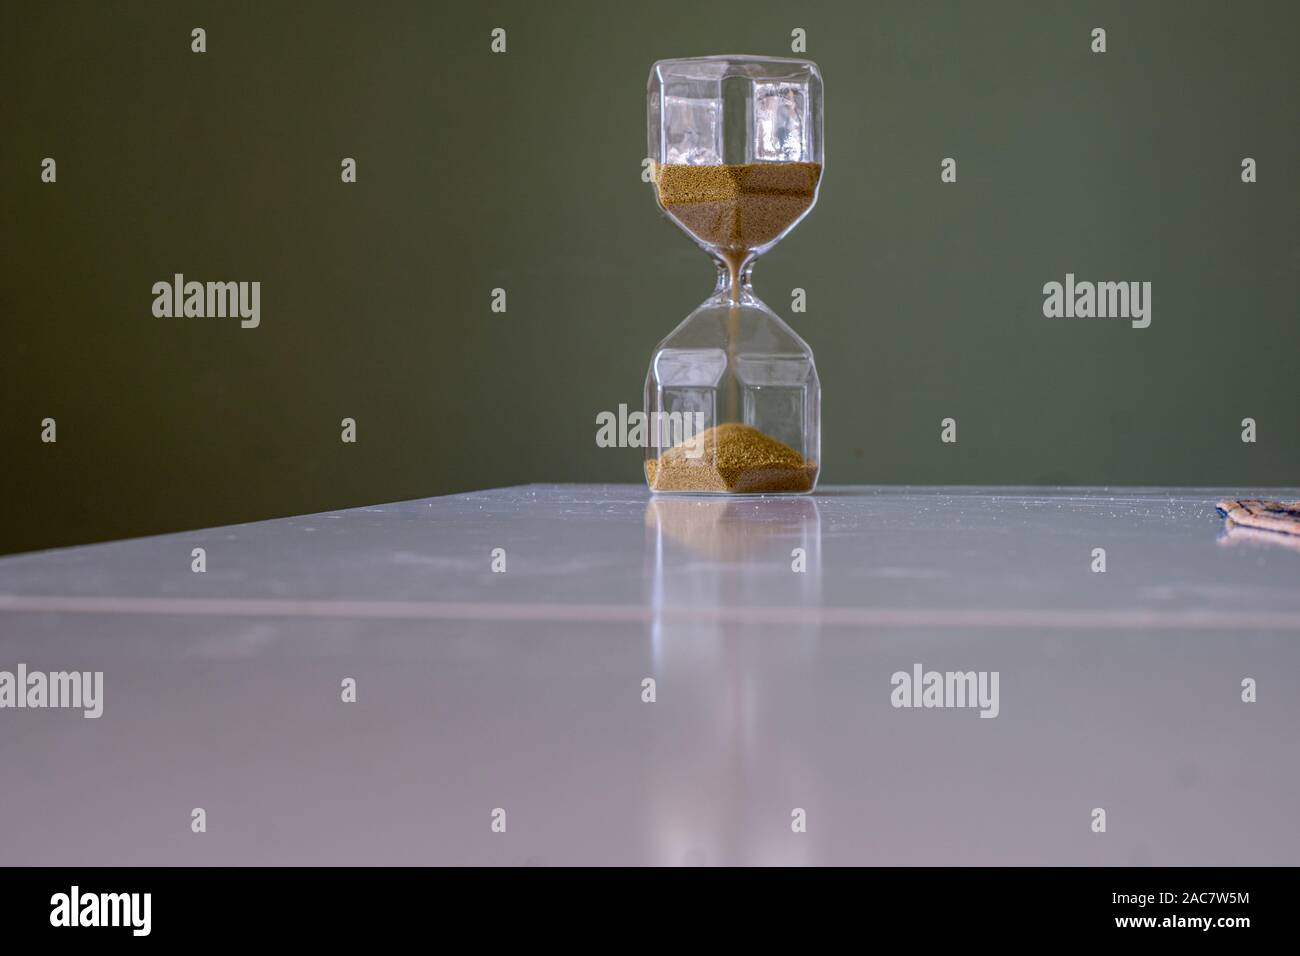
(732, 393)
(713, 787)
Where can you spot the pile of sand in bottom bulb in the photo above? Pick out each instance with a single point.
(737, 458)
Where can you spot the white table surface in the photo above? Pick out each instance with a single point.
(522, 690)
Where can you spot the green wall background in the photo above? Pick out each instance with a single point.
(522, 171)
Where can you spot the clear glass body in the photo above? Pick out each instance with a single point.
(732, 397)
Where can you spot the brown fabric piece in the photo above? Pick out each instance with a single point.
(1280, 517)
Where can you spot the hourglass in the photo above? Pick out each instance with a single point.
(732, 397)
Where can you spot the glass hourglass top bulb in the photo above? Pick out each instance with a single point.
(737, 148)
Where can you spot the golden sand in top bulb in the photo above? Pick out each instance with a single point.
(737, 459)
(740, 207)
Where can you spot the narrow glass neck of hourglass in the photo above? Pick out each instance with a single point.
(734, 277)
